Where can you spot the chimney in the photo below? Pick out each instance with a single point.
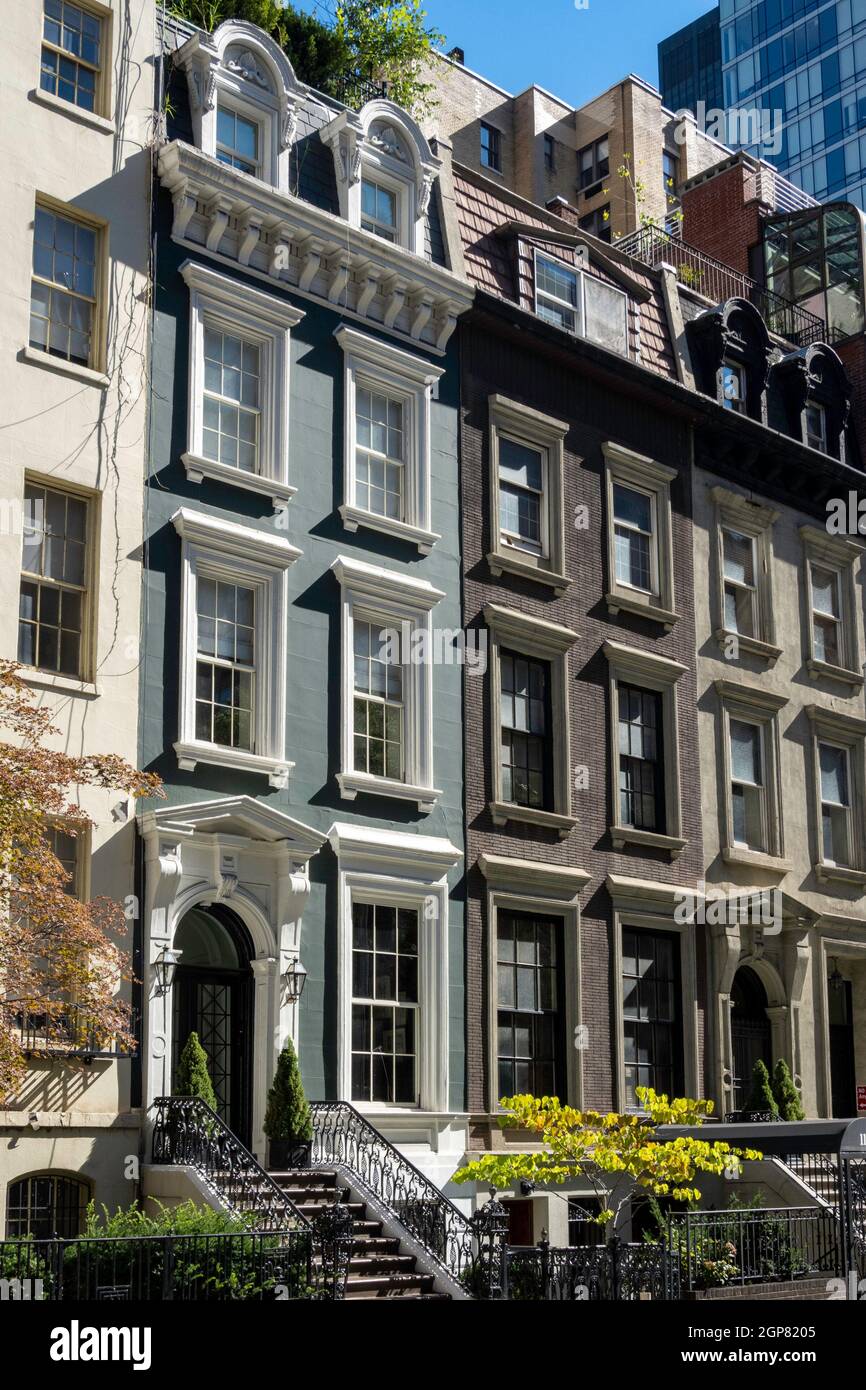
(560, 208)
(457, 55)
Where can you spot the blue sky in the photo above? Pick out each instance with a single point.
(573, 53)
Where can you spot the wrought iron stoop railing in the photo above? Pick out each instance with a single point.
(467, 1251)
(188, 1133)
(841, 1189)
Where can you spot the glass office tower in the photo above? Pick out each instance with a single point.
(804, 63)
(690, 65)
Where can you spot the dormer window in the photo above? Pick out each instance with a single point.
(734, 387)
(385, 172)
(379, 210)
(244, 99)
(816, 427)
(238, 141)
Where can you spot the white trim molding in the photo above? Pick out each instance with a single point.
(281, 239)
(654, 479)
(647, 671)
(759, 708)
(246, 851)
(378, 366)
(542, 889)
(395, 868)
(223, 550)
(265, 321)
(542, 640)
(255, 80)
(402, 605)
(513, 420)
(383, 143)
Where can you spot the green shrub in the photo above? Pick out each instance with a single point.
(785, 1093)
(288, 1115)
(193, 1077)
(760, 1097)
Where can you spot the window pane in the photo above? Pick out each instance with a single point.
(745, 752)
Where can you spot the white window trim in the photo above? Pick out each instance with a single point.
(213, 80)
(842, 731)
(843, 557)
(759, 707)
(541, 640)
(643, 903)
(100, 118)
(644, 474)
(631, 666)
(547, 435)
(377, 365)
(379, 595)
(579, 309)
(357, 156)
(222, 549)
(267, 321)
(406, 870)
(548, 890)
(737, 513)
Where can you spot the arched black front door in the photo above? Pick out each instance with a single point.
(213, 996)
(751, 1036)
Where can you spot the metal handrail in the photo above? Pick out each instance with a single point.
(186, 1131)
(70, 1034)
(342, 1136)
(719, 282)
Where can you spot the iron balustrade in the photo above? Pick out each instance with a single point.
(754, 1245)
(257, 1265)
(466, 1248)
(70, 1035)
(355, 91)
(187, 1132)
(615, 1271)
(719, 282)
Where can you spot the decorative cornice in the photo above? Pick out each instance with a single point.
(637, 662)
(371, 848)
(233, 294)
(501, 871)
(200, 528)
(821, 544)
(372, 581)
(309, 250)
(539, 633)
(831, 721)
(736, 691)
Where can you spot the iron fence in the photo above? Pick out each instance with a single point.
(262, 1266)
(719, 282)
(617, 1271)
(716, 1248)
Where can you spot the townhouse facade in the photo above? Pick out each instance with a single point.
(75, 321)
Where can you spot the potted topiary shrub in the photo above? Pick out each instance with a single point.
(761, 1102)
(288, 1119)
(193, 1077)
(786, 1095)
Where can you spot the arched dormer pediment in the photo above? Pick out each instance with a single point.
(815, 395)
(733, 352)
(385, 172)
(245, 99)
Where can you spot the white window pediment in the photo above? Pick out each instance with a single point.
(245, 99)
(385, 172)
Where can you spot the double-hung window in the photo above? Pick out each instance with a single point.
(593, 163)
(815, 421)
(748, 785)
(225, 663)
(377, 701)
(740, 583)
(581, 303)
(827, 631)
(526, 478)
(635, 533)
(63, 291)
(72, 41)
(491, 147)
(836, 842)
(521, 495)
(556, 294)
(525, 731)
(641, 766)
(238, 141)
(380, 210)
(52, 616)
(380, 458)
(651, 1013)
(232, 400)
(529, 1014)
(385, 998)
